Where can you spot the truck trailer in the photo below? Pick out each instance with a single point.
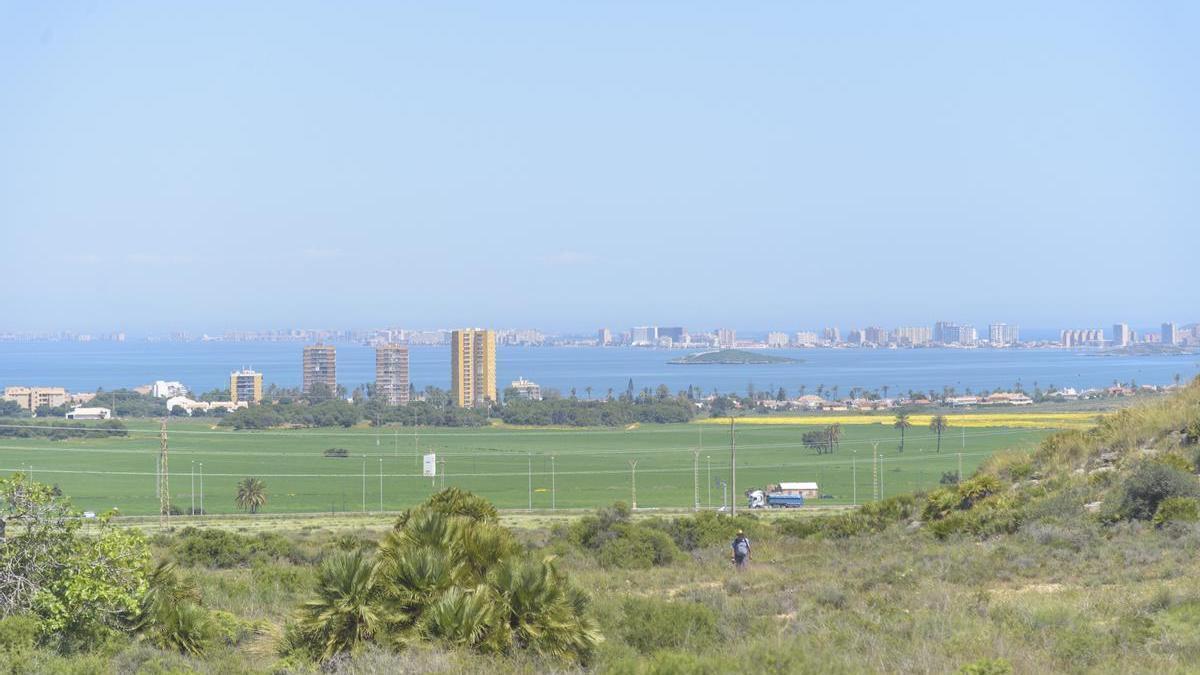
(760, 499)
(782, 495)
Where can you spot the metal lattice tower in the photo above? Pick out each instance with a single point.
(633, 482)
(875, 473)
(164, 489)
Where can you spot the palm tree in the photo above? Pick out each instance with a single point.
(835, 436)
(588, 389)
(902, 422)
(885, 390)
(347, 609)
(251, 494)
(939, 424)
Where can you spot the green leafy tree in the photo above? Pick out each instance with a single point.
(79, 587)
(251, 494)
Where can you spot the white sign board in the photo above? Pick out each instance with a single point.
(431, 465)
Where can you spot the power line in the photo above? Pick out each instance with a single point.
(503, 474)
(491, 452)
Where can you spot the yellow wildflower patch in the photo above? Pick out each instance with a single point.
(1011, 420)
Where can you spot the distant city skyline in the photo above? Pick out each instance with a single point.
(939, 332)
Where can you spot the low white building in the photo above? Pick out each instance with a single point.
(89, 414)
(523, 388)
(191, 406)
(808, 490)
(164, 389)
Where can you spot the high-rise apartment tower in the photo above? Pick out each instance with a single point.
(391, 373)
(472, 366)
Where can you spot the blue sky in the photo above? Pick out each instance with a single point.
(568, 165)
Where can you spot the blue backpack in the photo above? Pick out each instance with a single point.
(741, 547)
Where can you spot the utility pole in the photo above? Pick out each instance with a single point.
(164, 486)
(633, 483)
(364, 484)
(553, 486)
(202, 511)
(695, 480)
(733, 467)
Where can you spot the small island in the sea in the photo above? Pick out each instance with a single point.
(731, 357)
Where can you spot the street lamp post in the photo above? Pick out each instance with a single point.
(733, 467)
(854, 475)
(708, 461)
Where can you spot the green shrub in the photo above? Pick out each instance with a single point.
(1147, 486)
(18, 633)
(194, 547)
(940, 503)
(650, 625)
(707, 528)
(637, 547)
(229, 629)
(869, 518)
(684, 663)
(1191, 433)
(986, 667)
(593, 531)
(1177, 509)
(1177, 461)
(976, 489)
(800, 528)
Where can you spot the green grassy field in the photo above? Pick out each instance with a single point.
(590, 467)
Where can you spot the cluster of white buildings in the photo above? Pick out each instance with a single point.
(1168, 334)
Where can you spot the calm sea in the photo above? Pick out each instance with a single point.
(203, 366)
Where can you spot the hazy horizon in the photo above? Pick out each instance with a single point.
(212, 167)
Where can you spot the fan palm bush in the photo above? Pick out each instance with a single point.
(169, 614)
(447, 572)
(346, 609)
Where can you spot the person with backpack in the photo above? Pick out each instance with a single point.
(741, 550)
